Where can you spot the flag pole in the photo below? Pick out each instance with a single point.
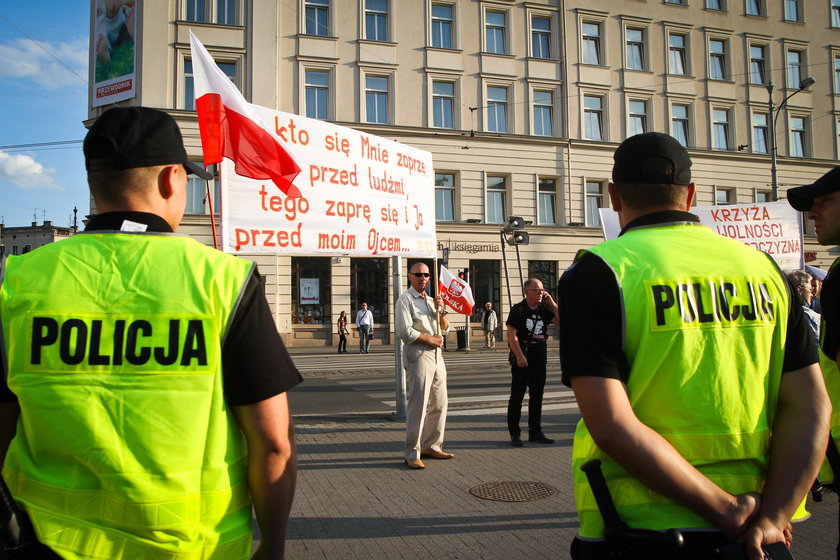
(212, 216)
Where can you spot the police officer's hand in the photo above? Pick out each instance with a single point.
(764, 532)
(738, 518)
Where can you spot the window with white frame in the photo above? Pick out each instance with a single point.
(763, 196)
(797, 137)
(724, 196)
(638, 117)
(595, 198)
(794, 68)
(196, 10)
(443, 104)
(720, 129)
(676, 54)
(758, 69)
(760, 138)
(540, 37)
(317, 14)
(714, 5)
(635, 49)
(679, 123)
(376, 99)
(444, 197)
(497, 103)
(717, 59)
(837, 75)
(591, 43)
(317, 94)
(755, 8)
(547, 201)
(543, 112)
(675, 2)
(442, 25)
(223, 12)
(494, 31)
(593, 117)
(793, 10)
(496, 191)
(197, 196)
(835, 13)
(376, 20)
(229, 68)
(226, 12)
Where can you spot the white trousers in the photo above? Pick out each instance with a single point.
(425, 418)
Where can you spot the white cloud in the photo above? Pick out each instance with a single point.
(22, 59)
(22, 170)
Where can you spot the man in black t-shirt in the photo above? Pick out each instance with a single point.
(527, 334)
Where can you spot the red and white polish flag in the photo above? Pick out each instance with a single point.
(230, 128)
(456, 293)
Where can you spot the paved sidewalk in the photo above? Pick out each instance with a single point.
(356, 499)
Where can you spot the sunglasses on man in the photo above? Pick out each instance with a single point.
(421, 274)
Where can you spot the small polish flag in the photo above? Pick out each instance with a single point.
(230, 128)
(455, 292)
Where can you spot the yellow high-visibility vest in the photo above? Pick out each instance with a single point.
(831, 375)
(704, 324)
(125, 447)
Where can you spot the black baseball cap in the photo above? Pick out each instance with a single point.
(639, 160)
(129, 137)
(802, 198)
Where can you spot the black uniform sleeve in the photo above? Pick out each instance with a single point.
(800, 348)
(590, 322)
(256, 365)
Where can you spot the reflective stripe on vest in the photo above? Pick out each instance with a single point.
(703, 313)
(125, 446)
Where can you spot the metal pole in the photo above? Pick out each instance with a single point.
(774, 180)
(807, 82)
(467, 317)
(399, 372)
(519, 264)
(507, 275)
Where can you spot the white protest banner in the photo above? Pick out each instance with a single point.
(360, 195)
(772, 227)
(456, 293)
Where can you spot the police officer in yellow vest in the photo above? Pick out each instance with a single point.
(143, 390)
(693, 369)
(821, 200)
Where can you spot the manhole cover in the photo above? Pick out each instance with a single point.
(513, 491)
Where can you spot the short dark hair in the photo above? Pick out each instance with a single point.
(115, 185)
(646, 195)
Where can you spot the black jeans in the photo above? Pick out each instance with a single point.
(531, 378)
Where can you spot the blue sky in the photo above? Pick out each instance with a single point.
(42, 101)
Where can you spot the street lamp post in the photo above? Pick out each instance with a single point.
(773, 115)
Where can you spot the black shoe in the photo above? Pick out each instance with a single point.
(516, 441)
(540, 438)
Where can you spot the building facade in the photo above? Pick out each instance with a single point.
(521, 104)
(19, 240)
